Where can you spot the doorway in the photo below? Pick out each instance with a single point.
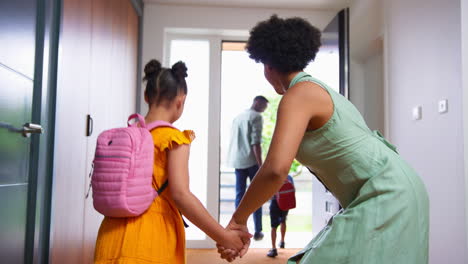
(241, 80)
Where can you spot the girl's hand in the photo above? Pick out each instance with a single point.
(227, 254)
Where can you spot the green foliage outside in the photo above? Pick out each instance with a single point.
(269, 121)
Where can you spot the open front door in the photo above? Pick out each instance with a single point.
(331, 66)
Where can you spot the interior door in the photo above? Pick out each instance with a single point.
(17, 60)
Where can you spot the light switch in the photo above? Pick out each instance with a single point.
(417, 113)
(443, 106)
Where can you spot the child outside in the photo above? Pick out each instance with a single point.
(158, 235)
(277, 218)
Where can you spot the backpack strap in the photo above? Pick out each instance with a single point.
(151, 126)
(142, 123)
(140, 118)
(158, 123)
(159, 193)
(162, 187)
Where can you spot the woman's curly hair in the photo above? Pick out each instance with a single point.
(287, 45)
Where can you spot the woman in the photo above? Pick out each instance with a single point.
(385, 204)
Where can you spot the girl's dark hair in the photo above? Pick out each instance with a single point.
(164, 83)
(287, 45)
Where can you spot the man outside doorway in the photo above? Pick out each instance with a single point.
(245, 152)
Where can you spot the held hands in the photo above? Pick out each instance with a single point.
(235, 232)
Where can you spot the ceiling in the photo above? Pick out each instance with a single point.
(289, 4)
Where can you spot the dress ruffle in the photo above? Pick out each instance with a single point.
(168, 138)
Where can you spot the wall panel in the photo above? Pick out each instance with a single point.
(97, 76)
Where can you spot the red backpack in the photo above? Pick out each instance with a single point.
(286, 196)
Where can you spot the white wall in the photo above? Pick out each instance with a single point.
(367, 90)
(464, 14)
(366, 61)
(214, 20)
(423, 66)
(366, 27)
(373, 96)
(356, 85)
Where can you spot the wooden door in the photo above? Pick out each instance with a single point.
(97, 77)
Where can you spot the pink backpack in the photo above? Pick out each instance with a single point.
(123, 169)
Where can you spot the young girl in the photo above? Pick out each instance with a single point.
(158, 235)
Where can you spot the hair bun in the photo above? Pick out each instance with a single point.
(179, 70)
(152, 69)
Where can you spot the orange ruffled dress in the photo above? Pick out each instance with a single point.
(156, 236)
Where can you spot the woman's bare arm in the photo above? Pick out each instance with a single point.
(302, 103)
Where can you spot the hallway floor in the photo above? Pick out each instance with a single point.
(254, 255)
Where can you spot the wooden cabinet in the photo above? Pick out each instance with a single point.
(97, 76)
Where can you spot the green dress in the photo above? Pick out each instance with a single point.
(385, 215)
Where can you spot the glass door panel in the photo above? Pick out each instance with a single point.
(195, 54)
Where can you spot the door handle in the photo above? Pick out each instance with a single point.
(26, 130)
(30, 128)
(89, 125)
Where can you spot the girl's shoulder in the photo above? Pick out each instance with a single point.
(168, 137)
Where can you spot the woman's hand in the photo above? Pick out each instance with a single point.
(245, 239)
(235, 239)
(230, 253)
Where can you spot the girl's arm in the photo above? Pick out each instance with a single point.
(191, 207)
(303, 106)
